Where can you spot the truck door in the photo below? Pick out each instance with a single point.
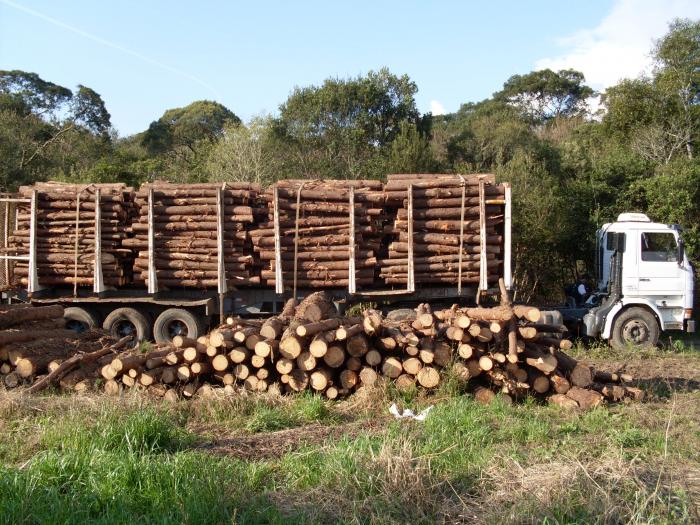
(659, 273)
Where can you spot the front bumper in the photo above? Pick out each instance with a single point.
(690, 326)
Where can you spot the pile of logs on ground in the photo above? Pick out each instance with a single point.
(501, 350)
(324, 229)
(66, 224)
(35, 342)
(186, 232)
(446, 215)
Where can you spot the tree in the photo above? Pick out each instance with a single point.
(677, 57)
(28, 92)
(545, 94)
(410, 152)
(200, 120)
(88, 109)
(183, 137)
(245, 153)
(49, 131)
(339, 129)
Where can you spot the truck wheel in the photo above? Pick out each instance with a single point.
(124, 322)
(79, 319)
(635, 327)
(176, 321)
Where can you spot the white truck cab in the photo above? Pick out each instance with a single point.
(645, 282)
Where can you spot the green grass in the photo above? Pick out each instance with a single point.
(99, 460)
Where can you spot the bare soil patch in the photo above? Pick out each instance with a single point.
(270, 445)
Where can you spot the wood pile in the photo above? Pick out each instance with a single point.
(34, 342)
(501, 350)
(185, 221)
(66, 223)
(442, 221)
(322, 221)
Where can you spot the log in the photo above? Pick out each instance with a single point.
(405, 382)
(392, 367)
(314, 307)
(319, 346)
(368, 376)
(357, 345)
(563, 401)
(585, 398)
(16, 316)
(313, 328)
(335, 356)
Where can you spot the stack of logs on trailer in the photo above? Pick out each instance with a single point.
(409, 230)
(34, 341)
(66, 216)
(333, 245)
(502, 350)
(441, 219)
(191, 224)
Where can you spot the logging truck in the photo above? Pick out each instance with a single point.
(645, 283)
(441, 238)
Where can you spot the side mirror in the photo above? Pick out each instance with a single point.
(681, 252)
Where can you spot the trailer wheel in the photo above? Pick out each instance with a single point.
(124, 322)
(635, 327)
(79, 319)
(176, 321)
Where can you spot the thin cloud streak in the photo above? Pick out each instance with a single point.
(112, 45)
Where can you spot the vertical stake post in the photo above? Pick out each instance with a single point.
(279, 284)
(98, 285)
(152, 275)
(410, 281)
(483, 270)
(33, 278)
(507, 239)
(461, 237)
(222, 283)
(351, 261)
(296, 239)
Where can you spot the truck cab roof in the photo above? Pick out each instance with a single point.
(636, 221)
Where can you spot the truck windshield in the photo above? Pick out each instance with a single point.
(659, 247)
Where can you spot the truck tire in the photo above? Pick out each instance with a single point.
(128, 321)
(80, 319)
(176, 321)
(635, 327)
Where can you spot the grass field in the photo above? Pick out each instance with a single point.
(263, 459)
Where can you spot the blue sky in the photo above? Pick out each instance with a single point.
(144, 57)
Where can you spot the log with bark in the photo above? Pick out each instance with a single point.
(185, 225)
(446, 213)
(66, 228)
(317, 226)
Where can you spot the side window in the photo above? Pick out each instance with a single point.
(659, 247)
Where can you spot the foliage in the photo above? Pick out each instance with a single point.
(545, 94)
(340, 129)
(245, 153)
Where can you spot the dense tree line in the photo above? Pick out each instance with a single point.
(572, 167)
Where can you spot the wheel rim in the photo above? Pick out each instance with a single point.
(124, 328)
(635, 331)
(175, 328)
(76, 326)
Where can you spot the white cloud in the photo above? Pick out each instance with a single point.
(620, 46)
(436, 108)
